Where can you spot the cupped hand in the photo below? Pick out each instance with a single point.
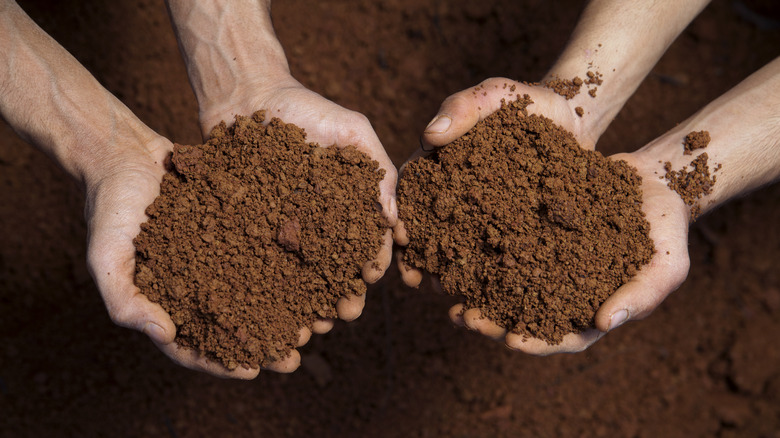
(669, 218)
(327, 124)
(666, 212)
(117, 197)
(461, 111)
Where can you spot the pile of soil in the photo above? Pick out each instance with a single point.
(533, 230)
(256, 234)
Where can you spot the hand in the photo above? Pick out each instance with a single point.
(118, 192)
(665, 211)
(461, 111)
(327, 124)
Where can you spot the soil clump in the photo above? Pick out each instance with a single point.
(256, 234)
(697, 182)
(533, 230)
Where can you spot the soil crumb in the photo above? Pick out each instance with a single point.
(255, 235)
(569, 88)
(579, 111)
(533, 230)
(697, 182)
(696, 140)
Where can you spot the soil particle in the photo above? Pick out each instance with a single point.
(533, 230)
(579, 111)
(256, 234)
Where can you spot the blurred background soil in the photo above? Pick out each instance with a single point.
(706, 363)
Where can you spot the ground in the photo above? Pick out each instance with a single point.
(706, 363)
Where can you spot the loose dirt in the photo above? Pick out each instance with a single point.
(256, 234)
(697, 182)
(531, 229)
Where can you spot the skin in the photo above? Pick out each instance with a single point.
(623, 41)
(236, 66)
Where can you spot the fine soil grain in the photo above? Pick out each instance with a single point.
(533, 230)
(255, 235)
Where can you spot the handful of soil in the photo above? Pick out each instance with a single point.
(531, 229)
(255, 235)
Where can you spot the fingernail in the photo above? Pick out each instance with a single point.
(155, 332)
(439, 125)
(617, 319)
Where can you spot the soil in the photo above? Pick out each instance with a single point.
(696, 140)
(697, 182)
(531, 229)
(705, 363)
(256, 234)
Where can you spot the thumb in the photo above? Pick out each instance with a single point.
(461, 111)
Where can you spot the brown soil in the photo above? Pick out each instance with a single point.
(256, 234)
(531, 229)
(567, 88)
(697, 182)
(696, 140)
(705, 363)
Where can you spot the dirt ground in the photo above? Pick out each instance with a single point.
(706, 363)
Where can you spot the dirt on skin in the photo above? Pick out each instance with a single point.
(697, 182)
(696, 140)
(531, 229)
(256, 234)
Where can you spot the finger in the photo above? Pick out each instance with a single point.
(572, 343)
(461, 111)
(368, 142)
(666, 270)
(475, 321)
(410, 276)
(456, 315)
(304, 334)
(322, 326)
(191, 359)
(375, 269)
(643, 293)
(399, 234)
(286, 365)
(126, 305)
(350, 307)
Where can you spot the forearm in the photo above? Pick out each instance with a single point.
(53, 102)
(622, 40)
(229, 47)
(744, 126)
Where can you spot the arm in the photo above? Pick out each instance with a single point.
(53, 102)
(237, 66)
(622, 40)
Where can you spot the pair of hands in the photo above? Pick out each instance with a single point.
(666, 212)
(116, 202)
